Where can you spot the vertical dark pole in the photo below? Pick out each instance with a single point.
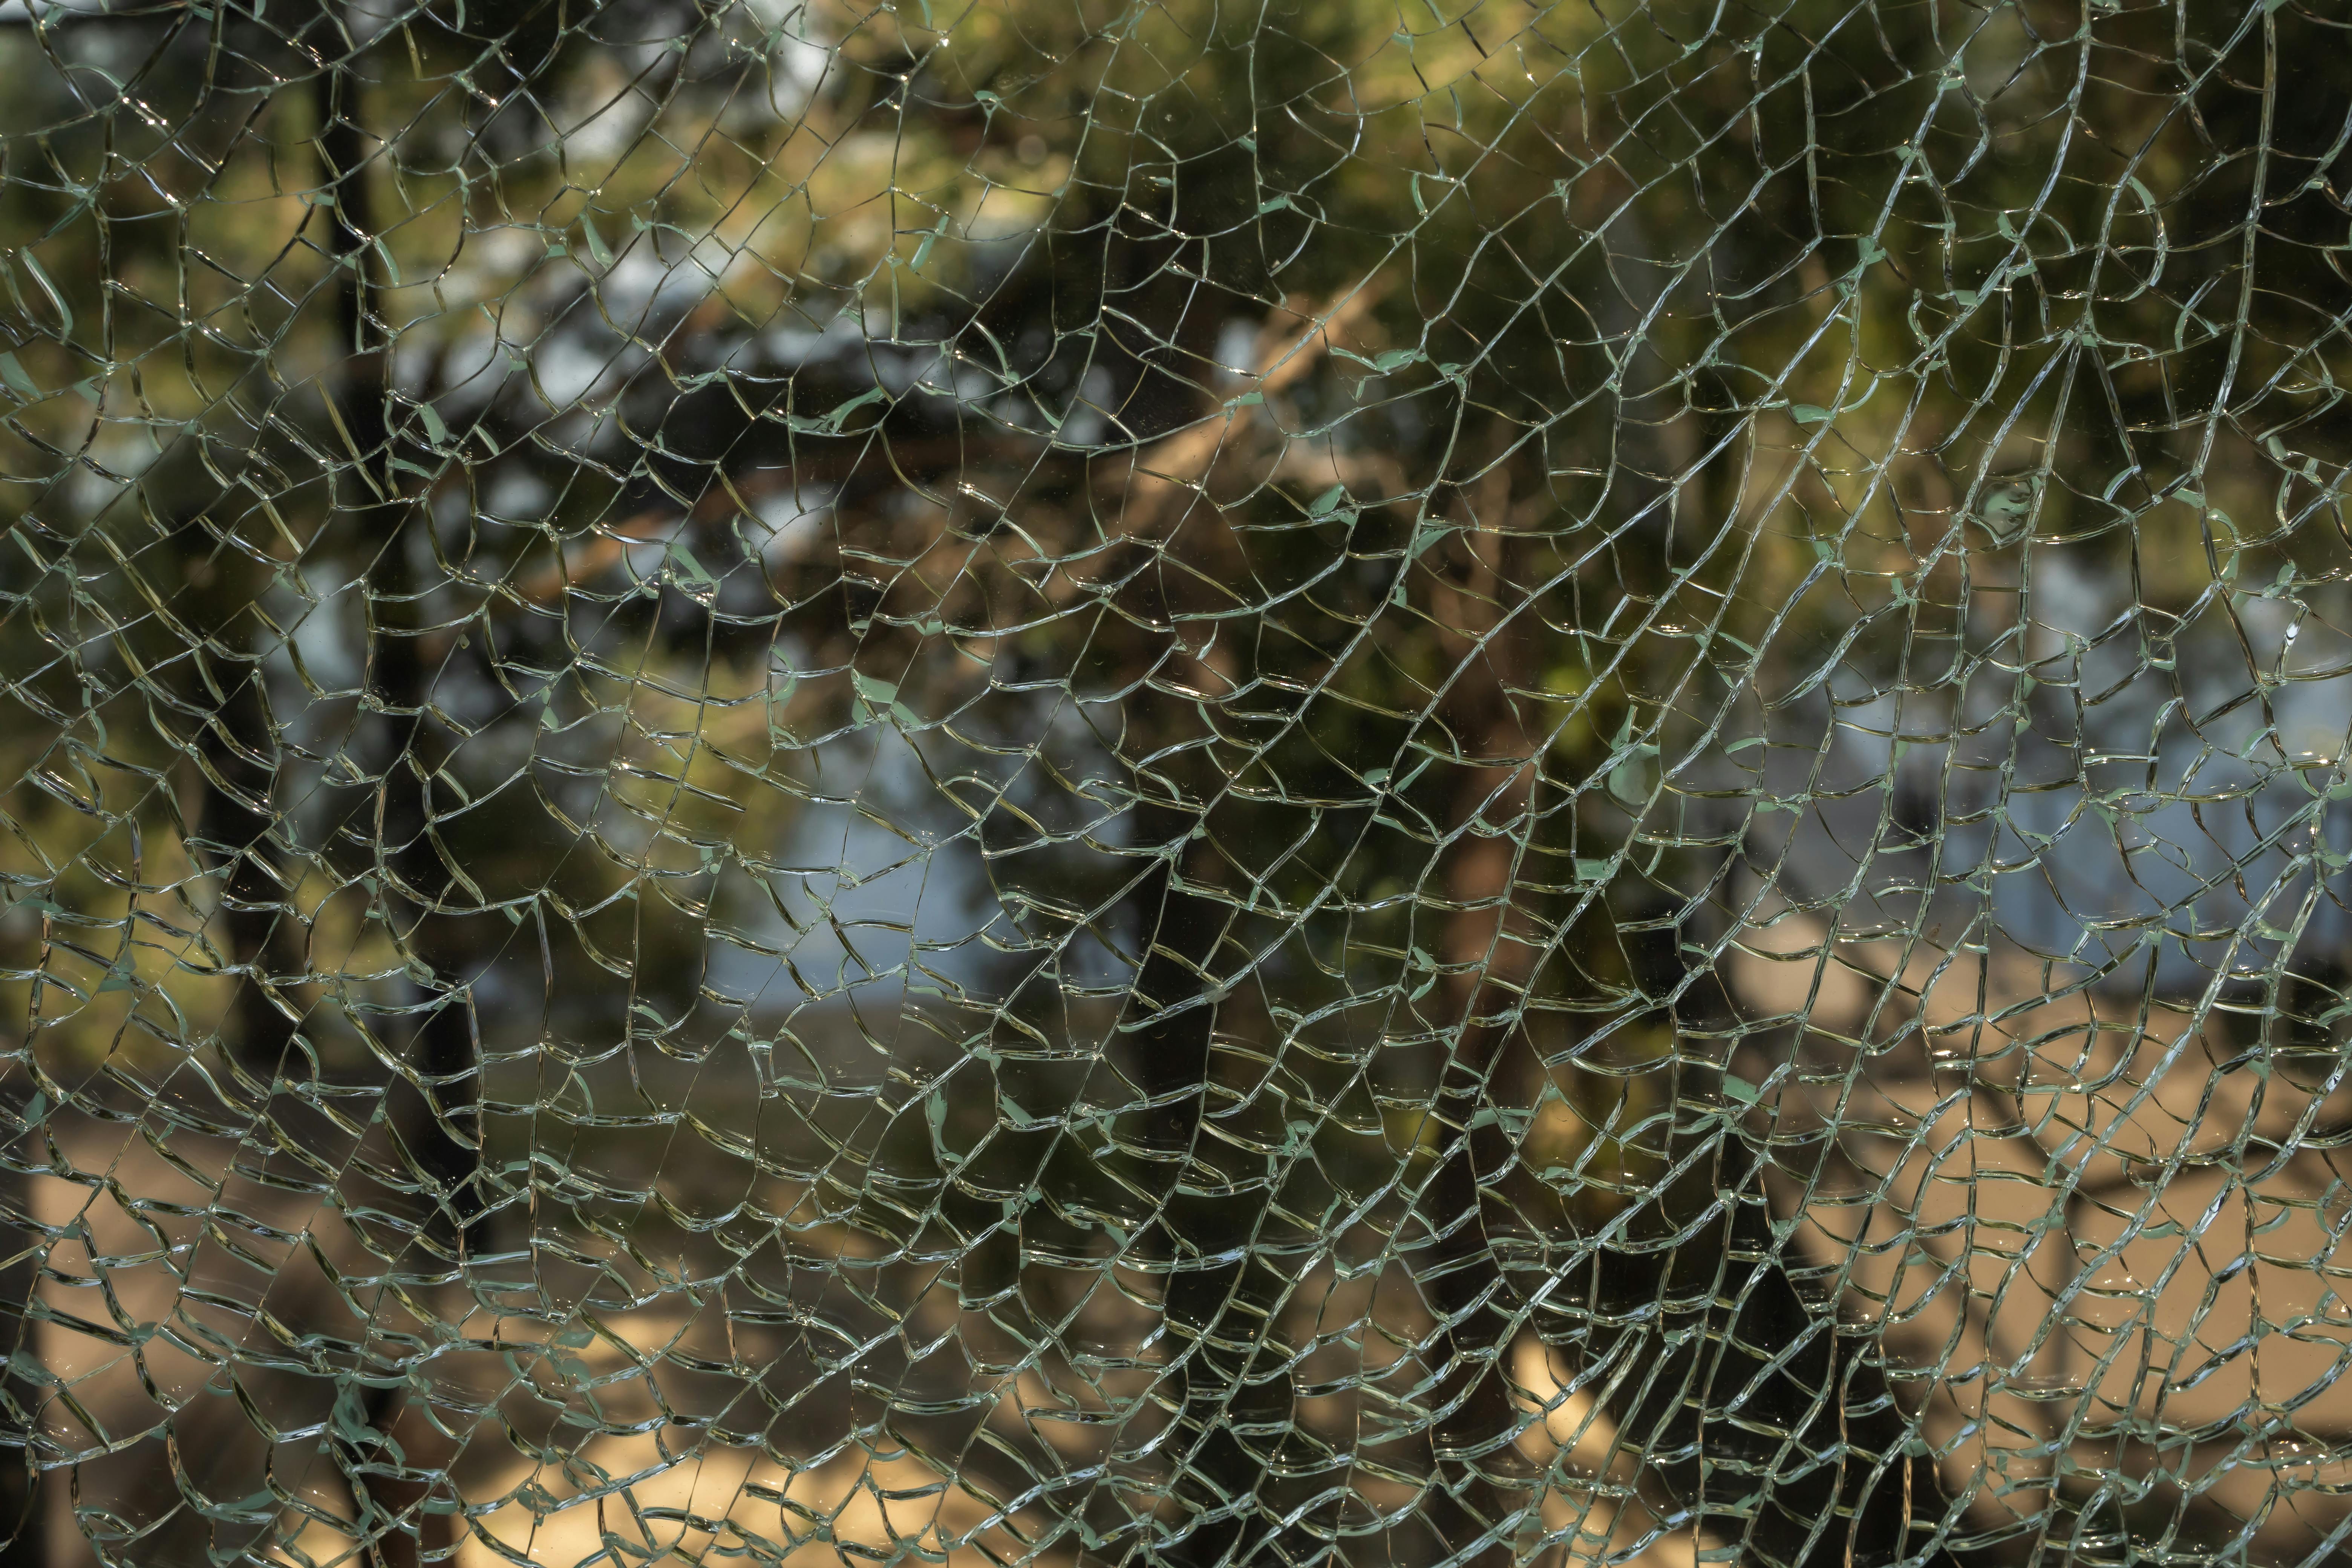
(21, 1520)
(377, 517)
(1217, 1475)
(402, 679)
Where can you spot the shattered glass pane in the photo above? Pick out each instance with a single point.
(1066, 782)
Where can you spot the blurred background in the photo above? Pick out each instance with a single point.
(1064, 782)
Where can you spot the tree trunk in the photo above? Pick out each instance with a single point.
(1460, 1278)
(389, 1490)
(1217, 1479)
(24, 1534)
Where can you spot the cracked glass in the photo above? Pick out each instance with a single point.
(1074, 782)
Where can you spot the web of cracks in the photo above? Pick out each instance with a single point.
(1166, 783)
